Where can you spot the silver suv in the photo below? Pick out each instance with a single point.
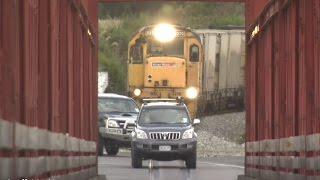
(117, 116)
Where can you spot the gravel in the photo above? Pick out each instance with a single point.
(221, 135)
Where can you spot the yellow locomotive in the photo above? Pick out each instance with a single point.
(165, 61)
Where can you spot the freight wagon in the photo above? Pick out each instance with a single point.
(223, 69)
(224, 53)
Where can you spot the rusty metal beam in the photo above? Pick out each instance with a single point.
(112, 1)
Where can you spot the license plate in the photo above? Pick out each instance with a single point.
(164, 148)
(115, 131)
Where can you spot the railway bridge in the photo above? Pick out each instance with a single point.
(48, 89)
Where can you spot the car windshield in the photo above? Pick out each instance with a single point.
(110, 105)
(164, 116)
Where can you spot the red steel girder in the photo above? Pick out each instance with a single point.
(110, 1)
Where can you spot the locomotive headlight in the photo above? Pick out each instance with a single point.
(137, 92)
(192, 93)
(164, 33)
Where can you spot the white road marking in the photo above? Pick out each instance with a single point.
(150, 164)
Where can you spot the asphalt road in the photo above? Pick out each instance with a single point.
(119, 168)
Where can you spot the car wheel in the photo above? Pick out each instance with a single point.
(136, 160)
(100, 146)
(112, 149)
(191, 162)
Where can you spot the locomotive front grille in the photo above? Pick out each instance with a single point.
(165, 83)
(165, 135)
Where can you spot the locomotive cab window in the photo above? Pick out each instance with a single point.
(136, 54)
(194, 53)
(174, 48)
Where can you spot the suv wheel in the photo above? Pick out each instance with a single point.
(111, 147)
(100, 146)
(191, 161)
(136, 160)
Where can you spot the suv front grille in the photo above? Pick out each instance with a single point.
(165, 135)
(121, 123)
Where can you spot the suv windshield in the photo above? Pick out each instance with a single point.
(110, 105)
(164, 116)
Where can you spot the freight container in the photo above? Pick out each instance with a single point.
(224, 64)
(223, 70)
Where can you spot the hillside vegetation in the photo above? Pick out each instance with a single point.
(119, 21)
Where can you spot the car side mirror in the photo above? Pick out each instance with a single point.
(196, 121)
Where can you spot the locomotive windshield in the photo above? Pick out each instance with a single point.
(173, 48)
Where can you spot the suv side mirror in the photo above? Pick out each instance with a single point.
(196, 121)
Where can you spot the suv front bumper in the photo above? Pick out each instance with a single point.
(180, 149)
(116, 134)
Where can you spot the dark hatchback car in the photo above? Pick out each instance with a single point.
(164, 132)
(117, 116)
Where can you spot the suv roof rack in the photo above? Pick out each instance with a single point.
(179, 100)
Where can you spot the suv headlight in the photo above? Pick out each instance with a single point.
(141, 134)
(137, 92)
(112, 123)
(188, 134)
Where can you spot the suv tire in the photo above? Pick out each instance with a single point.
(136, 160)
(191, 161)
(100, 146)
(112, 149)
